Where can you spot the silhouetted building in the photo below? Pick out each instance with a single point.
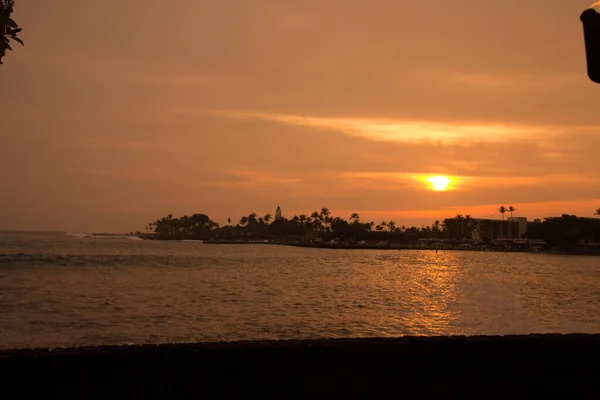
(278, 215)
(493, 229)
(479, 229)
(521, 228)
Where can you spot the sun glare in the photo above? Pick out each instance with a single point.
(439, 183)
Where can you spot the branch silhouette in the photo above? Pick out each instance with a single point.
(8, 27)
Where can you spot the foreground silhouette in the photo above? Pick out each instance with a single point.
(591, 31)
(8, 27)
(533, 366)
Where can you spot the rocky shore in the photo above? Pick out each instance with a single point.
(532, 366)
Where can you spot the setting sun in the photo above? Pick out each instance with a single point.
(439, 183)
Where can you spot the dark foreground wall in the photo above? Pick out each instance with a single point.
(535, 366)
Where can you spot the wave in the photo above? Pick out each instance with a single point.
(103, 236)
(79, 234)
(32, 258)
(80, 260)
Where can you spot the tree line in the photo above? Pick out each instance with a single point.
(317, 224)
(564, 232)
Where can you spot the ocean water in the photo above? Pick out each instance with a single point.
(60, 290)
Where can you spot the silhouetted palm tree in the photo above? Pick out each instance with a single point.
(252, 220)
(511, 209)
(355, 218)
(392, 226)
(303, 218)
(502, 210)
(597, 212)
(325, 218)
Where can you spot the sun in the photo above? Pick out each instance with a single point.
(439, 183)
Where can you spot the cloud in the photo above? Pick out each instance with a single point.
(405, 131)
(257, 179)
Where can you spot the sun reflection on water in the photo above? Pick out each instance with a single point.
(433, 293)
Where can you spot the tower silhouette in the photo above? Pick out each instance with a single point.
(278, 214)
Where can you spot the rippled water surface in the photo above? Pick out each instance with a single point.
(65, 290)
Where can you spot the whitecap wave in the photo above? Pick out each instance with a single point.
(79, 234)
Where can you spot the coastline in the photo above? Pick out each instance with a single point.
(391, 246)
(567, 234)
(513, 366)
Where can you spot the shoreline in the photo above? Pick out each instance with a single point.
(351, 246)
(514, 365)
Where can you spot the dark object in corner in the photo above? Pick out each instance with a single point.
(507, 367)
(591, 33)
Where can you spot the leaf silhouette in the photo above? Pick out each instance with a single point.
(16, 39)
(8, 27)
(9, 21)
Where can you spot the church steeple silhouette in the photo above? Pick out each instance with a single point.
(278, 215)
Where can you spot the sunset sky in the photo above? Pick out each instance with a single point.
(117, 113)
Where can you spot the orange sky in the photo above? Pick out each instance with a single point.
(112, 118)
